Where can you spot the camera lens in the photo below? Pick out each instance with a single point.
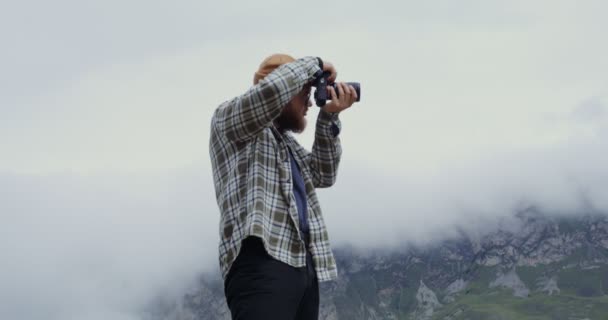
(355, 85)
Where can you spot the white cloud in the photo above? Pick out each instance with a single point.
(371, 208)
(435, 84)
(85, 247)
(77, 247)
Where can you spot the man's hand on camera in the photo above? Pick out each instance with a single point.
(347, 96)
(327, 66)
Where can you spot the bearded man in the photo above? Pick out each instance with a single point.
(274, 246)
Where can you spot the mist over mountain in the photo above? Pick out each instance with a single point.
(106, 245)
(535, 266)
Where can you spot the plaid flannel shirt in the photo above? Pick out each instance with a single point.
(252, 172)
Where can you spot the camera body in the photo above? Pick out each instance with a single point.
(322, 94)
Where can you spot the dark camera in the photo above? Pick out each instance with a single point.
(321, 92)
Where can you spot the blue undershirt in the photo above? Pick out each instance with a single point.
(299, 192)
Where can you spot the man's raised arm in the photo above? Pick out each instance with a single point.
(324, 159)
(243, 117)
(326, 152)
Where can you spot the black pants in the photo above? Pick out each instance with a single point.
(259, 287)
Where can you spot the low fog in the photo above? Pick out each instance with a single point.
(98, 247)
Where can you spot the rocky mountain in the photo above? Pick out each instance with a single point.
(540, 267)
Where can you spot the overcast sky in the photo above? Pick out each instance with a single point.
(469, 111)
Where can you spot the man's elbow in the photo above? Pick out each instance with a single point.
(326, 181)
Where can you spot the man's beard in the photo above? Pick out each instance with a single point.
(291, 119)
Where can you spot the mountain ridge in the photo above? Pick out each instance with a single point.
(534, 266)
